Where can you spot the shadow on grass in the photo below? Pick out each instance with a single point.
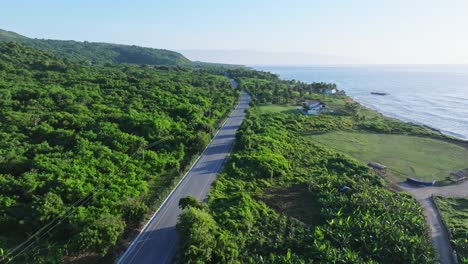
(294, 111)
(295, 201)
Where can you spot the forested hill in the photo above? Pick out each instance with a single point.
(72, 141)
(100, 53)
(10, 35)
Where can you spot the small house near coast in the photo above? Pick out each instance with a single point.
(314, 108)
(329, 91)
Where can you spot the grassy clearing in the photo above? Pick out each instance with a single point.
(423, 158)
(275, 108)
(454, 212)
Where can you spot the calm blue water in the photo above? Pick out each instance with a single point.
(436, 96)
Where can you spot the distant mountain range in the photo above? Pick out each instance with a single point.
(99, 53)
(246, 57)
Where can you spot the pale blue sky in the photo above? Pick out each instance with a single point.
(373, 31)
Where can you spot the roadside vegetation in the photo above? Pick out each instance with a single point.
(454, 212)
(82, 145)
(284, 198)
(249, 222)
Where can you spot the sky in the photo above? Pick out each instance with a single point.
(368, 31)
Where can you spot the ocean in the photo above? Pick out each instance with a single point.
(435, 95)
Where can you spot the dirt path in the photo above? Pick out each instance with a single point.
(439, 234)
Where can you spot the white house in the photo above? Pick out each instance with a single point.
(314, 108)
(330, 91)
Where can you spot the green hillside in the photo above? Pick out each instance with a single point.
(72, 141)
(10, 35)
(100, 53)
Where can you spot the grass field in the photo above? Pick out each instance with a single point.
(274, 108)
(423, 158)
(454, 212)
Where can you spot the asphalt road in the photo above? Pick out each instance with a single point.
(439, 234)
(157, 242)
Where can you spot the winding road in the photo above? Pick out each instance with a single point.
(157, 242)
(438, 232)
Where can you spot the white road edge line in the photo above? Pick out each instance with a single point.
(124, 256)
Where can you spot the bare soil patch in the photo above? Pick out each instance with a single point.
(295, 201)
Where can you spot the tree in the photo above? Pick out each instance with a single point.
(101, 234)
(199, 231)
(190, 201)
(199, 141)
(352, 108)
(134, 210)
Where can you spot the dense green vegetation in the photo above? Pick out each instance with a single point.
(9, 35)
(365, 224)
(268, 88)
(454, 213)
(405, 156)
(73, 136)
(285, 198)
(100, 53)
(87, 135)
